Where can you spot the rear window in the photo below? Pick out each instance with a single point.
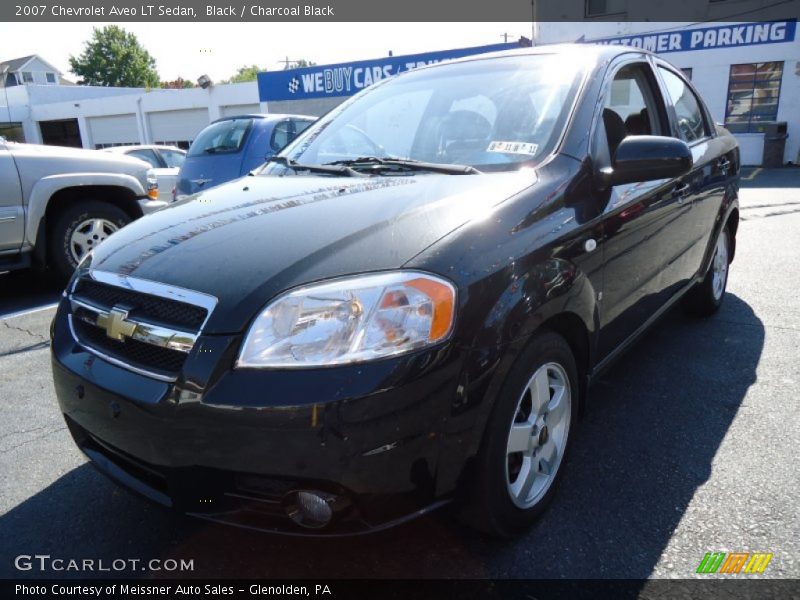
(221, 137)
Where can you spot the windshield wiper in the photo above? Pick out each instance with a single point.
(215, 149)
(330, 169)
(389, 162)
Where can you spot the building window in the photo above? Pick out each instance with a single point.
(182, 144)
(753, 93)
(27, 77)
(12, 132)
(597, 8)
(51, 77)
(687, 72)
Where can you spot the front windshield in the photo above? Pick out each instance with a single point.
(492, 114)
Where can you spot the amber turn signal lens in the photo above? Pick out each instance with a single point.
(444, 299)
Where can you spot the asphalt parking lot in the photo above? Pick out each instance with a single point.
(689, 445)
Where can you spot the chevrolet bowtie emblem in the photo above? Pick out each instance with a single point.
(116, 324)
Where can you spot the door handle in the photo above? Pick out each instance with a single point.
(681, 192)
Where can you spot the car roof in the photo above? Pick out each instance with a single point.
(265, 117)
(127, 148)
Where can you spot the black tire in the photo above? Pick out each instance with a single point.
(60, 257)
(705, 298)
(490, 507)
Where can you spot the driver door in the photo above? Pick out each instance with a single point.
(644, 222)
(12, 214)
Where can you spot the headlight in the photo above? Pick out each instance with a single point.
(152, 186)
(353, 319)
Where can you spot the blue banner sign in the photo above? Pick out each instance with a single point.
(345, 79)
(707, 38)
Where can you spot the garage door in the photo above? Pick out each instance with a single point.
(173, 126)
(114, 129)
(234, 110)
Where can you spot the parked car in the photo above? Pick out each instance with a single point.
(57, 203)
(232, 147)
(345, 340)
(166, 162)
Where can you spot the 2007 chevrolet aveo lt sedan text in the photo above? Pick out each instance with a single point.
(407, 305)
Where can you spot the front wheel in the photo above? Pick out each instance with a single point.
(526, 440)
(706, 297)
(78, 230)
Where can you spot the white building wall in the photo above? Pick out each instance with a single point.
(169, 126)
(710, 73)
(113, 129)
(112, 115)
(233, 110)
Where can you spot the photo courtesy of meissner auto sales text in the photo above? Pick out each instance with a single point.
(400, 300)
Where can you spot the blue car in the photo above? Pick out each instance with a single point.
(232, 147)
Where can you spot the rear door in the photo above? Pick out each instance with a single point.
(12, 215)
(645, 223)
(704, 186)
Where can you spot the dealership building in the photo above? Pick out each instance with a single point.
(747, 72)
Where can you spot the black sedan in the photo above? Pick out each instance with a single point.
(408, 305)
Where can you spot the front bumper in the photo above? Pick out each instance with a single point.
(148, 205)
(234, 445)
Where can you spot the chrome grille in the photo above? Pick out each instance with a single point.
(146, 327)
(151, 308)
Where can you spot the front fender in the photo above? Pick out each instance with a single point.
(44, 189)
(552, 287)
(556, 288)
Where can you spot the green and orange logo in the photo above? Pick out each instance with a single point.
(733, 563)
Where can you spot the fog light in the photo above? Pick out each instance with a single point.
(311, 509)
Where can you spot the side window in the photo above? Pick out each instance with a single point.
(300, 126)
(348, 142)
(281, 135)
(172, 158)
(147, 156)
(691, 124)
(630, 108)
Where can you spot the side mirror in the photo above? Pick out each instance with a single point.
(647, 157)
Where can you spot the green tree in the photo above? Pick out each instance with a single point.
(114, 57)
(246, 73)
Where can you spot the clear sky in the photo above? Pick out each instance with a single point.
(218, 49)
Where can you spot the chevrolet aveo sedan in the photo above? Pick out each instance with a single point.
(407, 306)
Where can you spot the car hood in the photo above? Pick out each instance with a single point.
(248, 240)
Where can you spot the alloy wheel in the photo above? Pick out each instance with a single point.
(538, 434)
(88, 234)
(719, 266)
